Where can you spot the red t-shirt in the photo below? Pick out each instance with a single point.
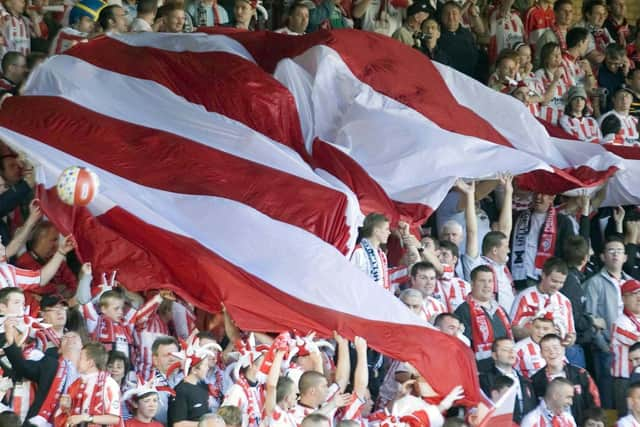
(136, 423)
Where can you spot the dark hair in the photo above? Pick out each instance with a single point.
(96, 352)
(588, 6)
(614, 50)
(594, 414)
(208, 335)
(507, 54)
(163, 340)
(555, 264)
(10, 58)
(114, 356)
(480, 269)
(491, 240)
(634, 347)
(422, 265)
(450, 246)
(497, 341)
(297, 5)
(165, 10)
(575, 36)
(147, 6)
(614, 238)
(610, 124)
(575, 248)
(546, 51)
(557, 4)
(370, 222)
(501, 382)
(107, 14)
(440, 318)
(430, 19)
(549, 337)
(634, 385)
(285, 387)
(5, 292)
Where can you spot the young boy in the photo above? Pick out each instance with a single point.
(109, 327)
(529, 358)
(94, 398)
(144, 403)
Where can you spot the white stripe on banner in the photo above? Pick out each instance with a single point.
(323, 270)
(145, 103)
(412, 158)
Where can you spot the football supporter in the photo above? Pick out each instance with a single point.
(163, 352)
(538, 234)
(595, 13)
(576, 120)
(577, 70)
(144, 402)
(451, 290)
(628, 133)
(171, 19)
(368, 256)
(505, 29)
(604, 302)
(379, 16)
(613, 70)
(625, 333)
(503, 354)
(457, 41)
(53, 309)
(297, 19)
(14, 72)
(633, 402)
(633, 82)
(15, 29)
(483, 319)
(423, 279)
(538, 19)
(82, 18)
(145, 16)
(586, 393)
(506, 71)
(113, 19)
(616, 22)
(545, 300)
(417, 13)
(557, 33)
(429, 44)
(529, 357)
(553, 410)
(94, 398)
(551, 82)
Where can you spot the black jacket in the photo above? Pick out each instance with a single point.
(17, 195)
(522, 407)
(572, 289)
(586, 393)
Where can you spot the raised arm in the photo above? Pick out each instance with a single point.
(22, 234)
(272, 383)
(343, 364)
(361, 374)
(468, 192)
(51, 267)
(506, 211)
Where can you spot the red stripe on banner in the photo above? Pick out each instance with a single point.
(631, 153)
(221, 82)
(393, 69)
(371, 196)
(115, 239)
(144, 155)
(561, 180)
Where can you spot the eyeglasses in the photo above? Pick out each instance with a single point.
(615, 251)
(58, 309)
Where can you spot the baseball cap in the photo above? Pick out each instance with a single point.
(418, 7)
(51, 301)
(630, 287)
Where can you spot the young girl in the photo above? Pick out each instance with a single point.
(575, 122)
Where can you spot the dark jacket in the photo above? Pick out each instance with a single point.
(572, 289)
(586, 393)
(17, 195)
(522, 407)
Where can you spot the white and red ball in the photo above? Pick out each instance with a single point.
(77, 186)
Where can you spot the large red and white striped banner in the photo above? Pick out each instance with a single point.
(234, 168)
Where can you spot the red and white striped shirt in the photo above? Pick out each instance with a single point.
(529, 358)
(536, 22)
(353, 411)
(453, 289)
(67, 37)
(505, 31)
(552, 111)
(584, 128)
(624, 334)
(629, 127)
(431, 308)
(532, 303)
(16, 33)
(14, 277)
(280, 418)
(236, 396)
(628, 421)
(300, 411)
(574, 74)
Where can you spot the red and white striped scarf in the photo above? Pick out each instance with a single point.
(48, 408)
(482, 333)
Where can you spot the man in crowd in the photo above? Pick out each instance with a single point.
(297, 19)
(529, 355)
(417, 13)
(483, 319)
(14, 71)
(113, 19)
(557, 33)
(457, 41)
(553, 409)
(553, 352)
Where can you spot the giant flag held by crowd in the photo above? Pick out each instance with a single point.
(235, 169)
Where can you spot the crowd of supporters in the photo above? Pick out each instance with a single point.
(543, 288)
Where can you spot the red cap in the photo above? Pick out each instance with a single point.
(630, 286)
